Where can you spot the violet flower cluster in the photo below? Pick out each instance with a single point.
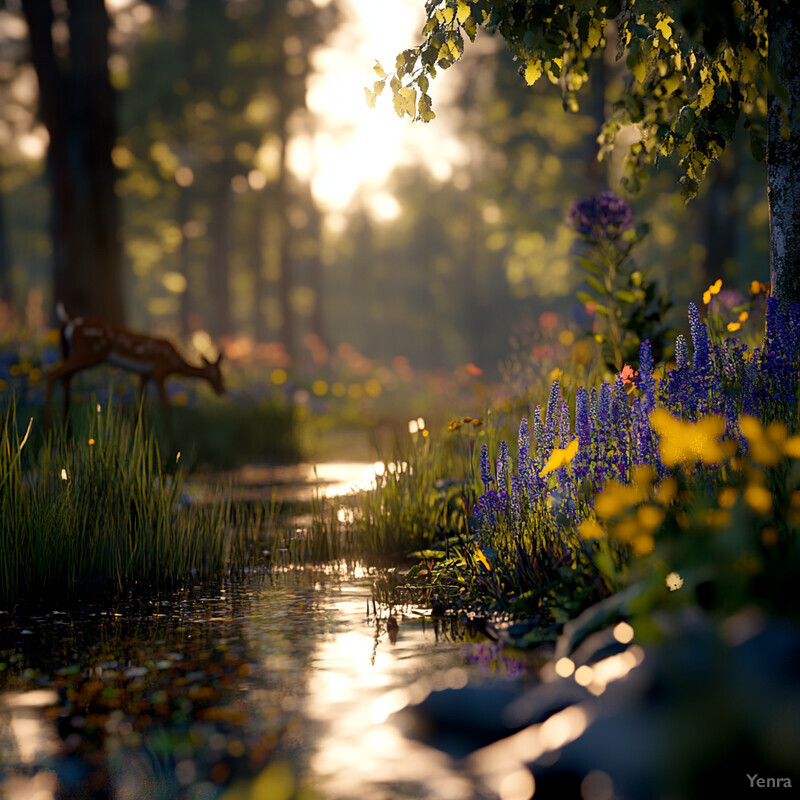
(524, 509)
(604, 216)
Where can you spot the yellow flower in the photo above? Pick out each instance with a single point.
(674, 581)
(763, 445)
(688, 442)
(454, 425)
(734, 326)
(643, 544)
(649, 517)
(665, 491)
(713, 289)
(758, 498)
(727, 497)
(591, 529)
(560, 458)
(744, 316)
(792, 447)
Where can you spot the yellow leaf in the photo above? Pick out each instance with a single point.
(447, 15)
(379, 70)
(705, 95)
(664, 28)
(595, 33)
(533, 71)
(482, 558)
(462, 12)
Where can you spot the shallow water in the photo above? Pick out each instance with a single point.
(276, 687)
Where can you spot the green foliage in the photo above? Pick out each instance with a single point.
(694, 70)
(623, 300)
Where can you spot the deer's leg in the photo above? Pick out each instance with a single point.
(63, 372)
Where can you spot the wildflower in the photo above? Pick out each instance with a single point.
(502, 468)
(604, 216)
(712, 290)
(560, 458)
(486, 470)
(591, 529)
(91, 442)
(758, 498)
(453, 425)
(627, 374)
(523, 447)
(687, 442)
(734, 326)
(681, 353)
(757, 288)
(674, 581)
(646, 380)
(476, 422)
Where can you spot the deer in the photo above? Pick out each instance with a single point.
(87, 342)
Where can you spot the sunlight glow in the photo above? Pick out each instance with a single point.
(355, 148)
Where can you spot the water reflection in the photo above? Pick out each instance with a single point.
(227, 691)
(294, 482)
(358, 678)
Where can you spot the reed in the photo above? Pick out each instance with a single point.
(101, 512)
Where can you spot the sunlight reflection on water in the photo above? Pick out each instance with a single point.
(357, 679)
(302, 673)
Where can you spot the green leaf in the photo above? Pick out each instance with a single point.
(589, 265)
(758, 144)
(597, 286)
(626, 296)
(585, 298)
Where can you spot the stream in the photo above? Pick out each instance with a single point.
(276, 686)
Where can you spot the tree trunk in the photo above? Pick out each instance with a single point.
(260, 328)
(783, 155)
(5, 257)
(285, 251)
(78, 108)
(185, 311)
(219, 322)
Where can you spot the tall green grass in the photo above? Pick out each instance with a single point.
(100, 511)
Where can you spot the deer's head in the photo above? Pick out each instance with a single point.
(214, 374)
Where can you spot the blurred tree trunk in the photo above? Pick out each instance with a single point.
(79, 110)
(5, 256)
(260, 327)
(219, 323)
(317, 277)
(284, 232)
(185, 309)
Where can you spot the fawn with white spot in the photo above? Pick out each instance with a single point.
(87, 342)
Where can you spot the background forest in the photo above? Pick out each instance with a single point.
(260, 202)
